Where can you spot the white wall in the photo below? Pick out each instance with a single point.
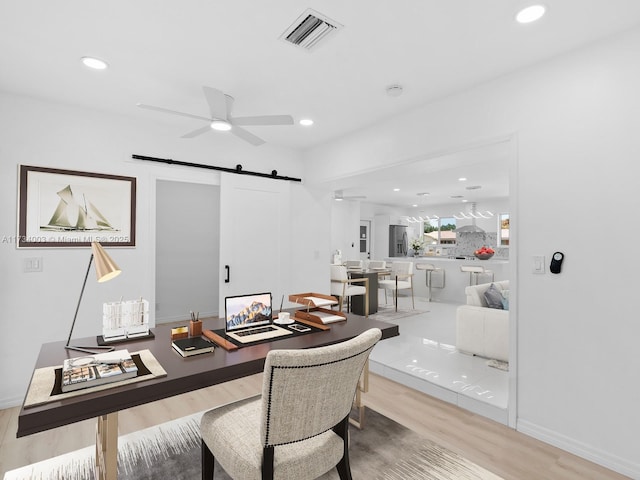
(345, 229)
(39, 307)
(574, 123)
(311, 239)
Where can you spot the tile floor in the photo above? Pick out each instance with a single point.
(424, 357)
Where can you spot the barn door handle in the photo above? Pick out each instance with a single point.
(228, 278)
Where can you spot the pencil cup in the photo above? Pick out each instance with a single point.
(195, 328)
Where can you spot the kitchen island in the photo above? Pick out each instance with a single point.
(455, 280)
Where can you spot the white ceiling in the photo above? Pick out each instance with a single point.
(161, 52)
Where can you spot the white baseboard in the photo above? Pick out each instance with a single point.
(607, 460)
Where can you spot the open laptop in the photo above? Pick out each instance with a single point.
(248, 318)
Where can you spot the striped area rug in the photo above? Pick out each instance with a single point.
(383, 450)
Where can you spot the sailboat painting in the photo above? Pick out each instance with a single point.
(67, 208)
(86, 216)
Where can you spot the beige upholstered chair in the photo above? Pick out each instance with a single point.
(377, 264)
(342, 286)
(353, 264)
(298, 428)
(401, 278)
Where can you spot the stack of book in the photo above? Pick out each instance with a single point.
(93, 370)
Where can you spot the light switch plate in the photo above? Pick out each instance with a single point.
(538, 264)
(33, 264)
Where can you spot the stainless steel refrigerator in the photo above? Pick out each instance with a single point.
(398, 241)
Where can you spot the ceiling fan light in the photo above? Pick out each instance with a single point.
(221, 125)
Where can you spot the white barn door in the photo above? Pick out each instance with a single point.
(255, 236)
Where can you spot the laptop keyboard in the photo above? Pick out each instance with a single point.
(253, 331)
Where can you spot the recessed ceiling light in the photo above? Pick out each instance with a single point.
(221, 125)
(457, 196)
(414, 205)
(465, 200)
(531, 14)
(94, 63)
(423, 194)
(396, 189)
(462, 179)
(307, 122)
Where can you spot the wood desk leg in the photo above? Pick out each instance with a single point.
(107, 447)
(358, 404)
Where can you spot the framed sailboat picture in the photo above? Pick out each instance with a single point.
(68, 208)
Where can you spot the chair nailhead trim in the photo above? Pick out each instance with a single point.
(295, 367)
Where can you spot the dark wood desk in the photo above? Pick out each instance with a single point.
(183, 375)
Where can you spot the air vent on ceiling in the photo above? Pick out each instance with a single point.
(310, 27)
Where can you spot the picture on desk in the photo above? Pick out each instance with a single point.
(248, 310)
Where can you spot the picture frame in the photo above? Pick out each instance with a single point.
(70, 208)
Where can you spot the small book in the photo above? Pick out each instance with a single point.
(192, 346)
(93, 370)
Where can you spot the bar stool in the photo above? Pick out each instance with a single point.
(429, 268)
(474, 272)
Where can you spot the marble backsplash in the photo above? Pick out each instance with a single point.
(469, 242)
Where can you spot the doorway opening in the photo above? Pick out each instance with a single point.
(187, 250)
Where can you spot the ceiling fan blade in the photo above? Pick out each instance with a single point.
(217, 102)
(172, 112)
(247, 136)
(264, 120)
(197, 132)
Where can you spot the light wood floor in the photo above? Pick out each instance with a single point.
(495, 447)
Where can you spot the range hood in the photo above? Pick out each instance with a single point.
(473, 228)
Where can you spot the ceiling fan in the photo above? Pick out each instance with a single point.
(338, 195)
(220, 105)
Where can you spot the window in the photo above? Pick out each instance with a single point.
(504, 229)
(442, 231)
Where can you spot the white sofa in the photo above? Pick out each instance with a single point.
(481, 330)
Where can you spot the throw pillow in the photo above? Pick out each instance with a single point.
(493, 297)
(505, 299)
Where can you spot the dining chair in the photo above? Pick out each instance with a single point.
(353, 264)
(373, 264)
(299, 427)
(342, 287)
(401, 278)
(379, 265)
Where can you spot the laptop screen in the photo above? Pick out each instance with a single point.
(243, 311)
